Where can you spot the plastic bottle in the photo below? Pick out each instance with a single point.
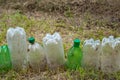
(117, 52)
(5, 59)
(91, 53)
(74, 56)
(36, 55)
(16, 39)
(54, 50)
(108, 59)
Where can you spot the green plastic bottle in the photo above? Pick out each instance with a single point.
(5, 59)
(74, 56)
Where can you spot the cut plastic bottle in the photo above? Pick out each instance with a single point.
(91, 54)
(5, 59)
(117, 52)
(36, 55)
(54, 50)
(110, 55)
(74, 56)
(16, 39)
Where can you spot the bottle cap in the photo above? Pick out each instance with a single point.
(31, 40)
(76, 42)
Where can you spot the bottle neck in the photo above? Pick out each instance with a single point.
(76, 45)
(32, 43)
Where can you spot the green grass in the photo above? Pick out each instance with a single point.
(87, 27)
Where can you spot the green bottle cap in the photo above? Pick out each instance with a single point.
(76, 42)
(31, 40)
(4, 47)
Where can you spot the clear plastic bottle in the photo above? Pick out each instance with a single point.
(16, 39)
(36, 55)
(91, 54)
(54, 50)
(116, 47)
(108, 58)
(5, 59)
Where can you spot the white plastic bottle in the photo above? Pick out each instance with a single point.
(36, 55)
(16, 39)
(54, 50)
(91, 54)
